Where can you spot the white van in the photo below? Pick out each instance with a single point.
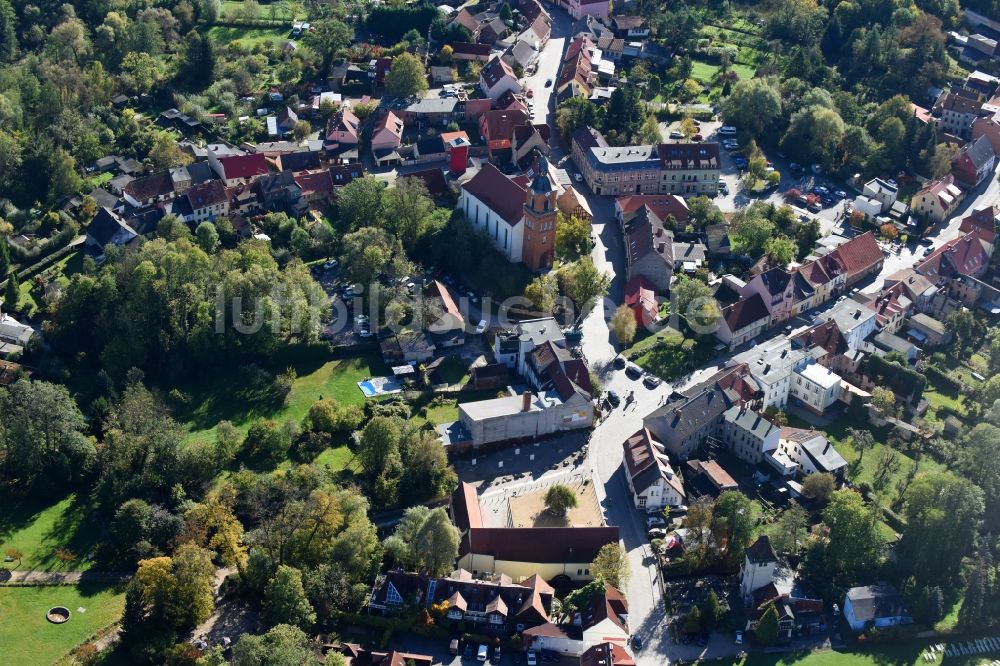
(728, 130)
(483, 653)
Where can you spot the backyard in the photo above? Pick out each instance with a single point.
(27, 638)
(56, 536)
(212, 400)
(888, 655)
(250, 37)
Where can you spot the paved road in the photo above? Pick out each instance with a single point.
(61, 577)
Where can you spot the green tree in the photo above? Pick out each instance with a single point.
(197, 68)
(862, 440)
(856, 543)
(767, 628)
(406, 77)
(559, 499)
(692, 623)
(751, 230)
(814, 134)
(406, 209)
(781, 249)
(42, 436)
(583, 282)
(280, 646)
(573, 237)
(285, 600)
(575, 113)
(754, 105)
(625, 114)
(208, 237)
(712, 612)
(437, 543)
(328, 36)
(972, 614)
(693, 300)
(819, 487)
(301, 130)
(378, 443)
(737, 515)
(360, 202)
(8, 32)
(623, 325)
(179, 588)
(542, 292)
(789, 532)
(4, 257)
(612, 565)
(12, 292)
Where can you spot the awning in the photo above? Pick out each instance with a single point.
(917, 335)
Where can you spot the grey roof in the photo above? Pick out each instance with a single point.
(14, 332)
(891, 342)
(928, 322)
(876, 601)
(824, 457)
(105, 225)
(488, 409)
(750, 422)
(979, 151)
(848, 314)
(433, 105)
(624, 157)
(539, 331)
(772, 358)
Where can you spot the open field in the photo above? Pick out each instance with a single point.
(703, 72)
(248, 36)
(213, 399)
(38, 530)
(27, 638)
(887, 655)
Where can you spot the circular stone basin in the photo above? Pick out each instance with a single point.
(58, 615)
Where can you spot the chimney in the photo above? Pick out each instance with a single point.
(826, 449)
(526, 402)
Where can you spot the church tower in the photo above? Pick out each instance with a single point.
(538, 249)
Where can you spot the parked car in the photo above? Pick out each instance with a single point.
(613, 399)
(840, 194)
(739, 638)
(650, 381)
(481, 326)
(678, 510)
(636, 642)
(469, 652)
(496, 655)
(619, 362)
(532, 658)
(333, 263)
(633, 371)
(675, 134)
(727, 130)
(656, 533)
(531, 93)
(548, 83)
(482, 653)
(656, 520)
(697, 137)
(578, 177)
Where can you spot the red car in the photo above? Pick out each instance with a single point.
(697, 137)
(531, 93)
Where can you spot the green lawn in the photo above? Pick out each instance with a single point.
(27, 638)
(37, 530)
(213, 399)
(703, 71)
(248, 36)
(59, 272)
(744, 71)
(453, 370)
(886, 655)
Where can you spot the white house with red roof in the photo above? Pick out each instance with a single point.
(663, 205)
(603, 620)
(859, 258)
(496, 78)
(387, 137)
(640, 296)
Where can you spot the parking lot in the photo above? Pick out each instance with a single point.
(440, 651)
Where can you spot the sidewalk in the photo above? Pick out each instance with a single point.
(15, 578)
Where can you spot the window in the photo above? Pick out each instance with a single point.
(642, 502)
(392, 595)
(579, 572)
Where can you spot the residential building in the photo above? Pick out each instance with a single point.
(579, 9)
(771, 364)
(649, 249)
(652, 481)
(954, 113)
(640, 297)
(811, 453)
(603, 620)
(748, 434)
(975, 162)
(387, 137)
(236, 169)
(967, 255)
(630, 27)
(815, 387)
(989, 127)
(743, 321)
(983, 222)
(689, 168)
(712, 473)
(448, 329)
(190, 174)
(854, 320)
(405, 346)
(497, 602)
(689, 416)
(937, 199)
(573, 204)
(662, 205)
(882, 192)
(620, 170)
(468, 51)
(496, 128)
(513, 348)
(466, 19)
(316, 186)
(14, 334)
(606, 654)
(356, 655)
(870, 208)
(207, 201)
(522, 552)
(108, 228)
(860, 258)
(343, 129)
(149, 189)
(301, 160)
(877, 606)
(529, 140)
(927, 331)
(283, 123)
(760, 563)
(889, 342)
(567, 405)
(496, 78)
(777, 287)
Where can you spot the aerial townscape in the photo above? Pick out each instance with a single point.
(575, 332)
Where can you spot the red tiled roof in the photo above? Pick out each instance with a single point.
(244, 166)
(314, 181)
(640, 291)
(466, 48)
(859, 254)
(981, 221)
(717, 475)
(505, 196)
(465, 508)
(499, 125)
(541, 545)
(206, 194)
(495, 70)
(661, 204)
